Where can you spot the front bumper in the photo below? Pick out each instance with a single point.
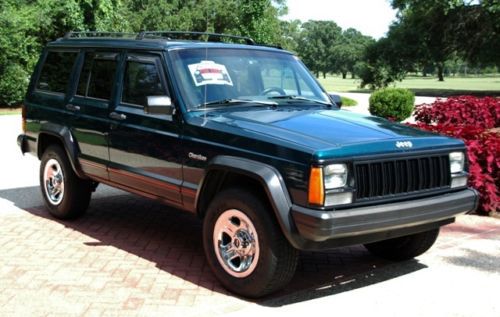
(365, 224)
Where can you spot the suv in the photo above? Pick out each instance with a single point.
(244, 137)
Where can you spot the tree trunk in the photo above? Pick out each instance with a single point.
(344, 75)
(324, 75)
(353, 76)
(440, 72)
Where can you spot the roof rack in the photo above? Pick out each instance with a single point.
(168, 35)
(210, 37)
(94, 34)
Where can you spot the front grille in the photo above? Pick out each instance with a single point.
(401, 176)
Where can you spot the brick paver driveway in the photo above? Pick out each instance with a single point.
(131, 256)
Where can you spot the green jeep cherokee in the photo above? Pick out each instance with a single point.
(245, 138)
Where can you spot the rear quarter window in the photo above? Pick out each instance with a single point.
(56, 71)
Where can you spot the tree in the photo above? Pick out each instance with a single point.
(27, 25)
(19, 50)
(381, 65)
(471, 28)
(428, 33)
(315, 45)
(290, 34)
(427, 21)
(255, 18)
(348, 50)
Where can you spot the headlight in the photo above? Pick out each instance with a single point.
(457, 170)
(335, 176)
(327, 186)
(457, 160)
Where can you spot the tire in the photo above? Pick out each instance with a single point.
(65, 194)
(404, 248)
(262, 259)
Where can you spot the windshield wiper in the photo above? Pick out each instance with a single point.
(300, 98)
(232, 101)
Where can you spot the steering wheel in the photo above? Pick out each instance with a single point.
(273, 89)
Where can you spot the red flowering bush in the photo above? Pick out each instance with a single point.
(476, 121)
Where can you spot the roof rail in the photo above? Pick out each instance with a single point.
(197, 35)
(94, 34)
(168, 35)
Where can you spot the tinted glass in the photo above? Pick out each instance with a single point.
(211, 75)
(141, 80)
(56, 71)
(275, 75)
(97, 77)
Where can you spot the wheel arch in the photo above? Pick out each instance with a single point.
(227, 171)
(55, 134)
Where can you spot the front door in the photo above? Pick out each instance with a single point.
(144, 148)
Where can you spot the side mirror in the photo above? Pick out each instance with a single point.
(337, 99)
(159, 105)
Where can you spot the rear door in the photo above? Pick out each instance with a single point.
(144, 148)
(92, 100)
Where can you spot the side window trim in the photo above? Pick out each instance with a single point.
(296, 79)
(146, 58)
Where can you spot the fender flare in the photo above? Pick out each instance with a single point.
(63, 134)
(271, 181)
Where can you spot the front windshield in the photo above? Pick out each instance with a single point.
(214, 76)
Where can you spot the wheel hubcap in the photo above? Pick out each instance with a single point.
(236, 243)
(53, 180)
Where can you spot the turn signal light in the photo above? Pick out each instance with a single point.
(316, 188)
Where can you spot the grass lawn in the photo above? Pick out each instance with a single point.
(428, 86)
(9, 111)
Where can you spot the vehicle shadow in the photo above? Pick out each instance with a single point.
(172, 240)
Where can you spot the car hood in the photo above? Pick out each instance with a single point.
(325, 129)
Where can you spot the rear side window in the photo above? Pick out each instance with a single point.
(56, 71)
(141, 80)
(97, 76)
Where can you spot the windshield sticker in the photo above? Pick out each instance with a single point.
(209, 73)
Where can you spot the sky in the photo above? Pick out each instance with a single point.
(370, 17)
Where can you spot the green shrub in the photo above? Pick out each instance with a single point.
(395, 104)
(13, 84)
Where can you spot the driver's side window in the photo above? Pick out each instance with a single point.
(142, 79)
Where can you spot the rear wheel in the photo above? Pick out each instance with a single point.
(404, 248)
(65, 194)
(244, 245)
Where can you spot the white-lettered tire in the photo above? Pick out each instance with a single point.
(245, 246)
(404, 248)
(65, 194)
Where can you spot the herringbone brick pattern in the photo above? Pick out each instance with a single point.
(133, 257)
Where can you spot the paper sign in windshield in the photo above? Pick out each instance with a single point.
(210, 73)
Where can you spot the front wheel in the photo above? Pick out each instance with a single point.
(404, 248)
(244, 245)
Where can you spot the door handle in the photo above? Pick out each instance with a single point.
(72, 107)
(117, 116)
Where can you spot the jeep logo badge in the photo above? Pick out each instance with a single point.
(404, 144)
